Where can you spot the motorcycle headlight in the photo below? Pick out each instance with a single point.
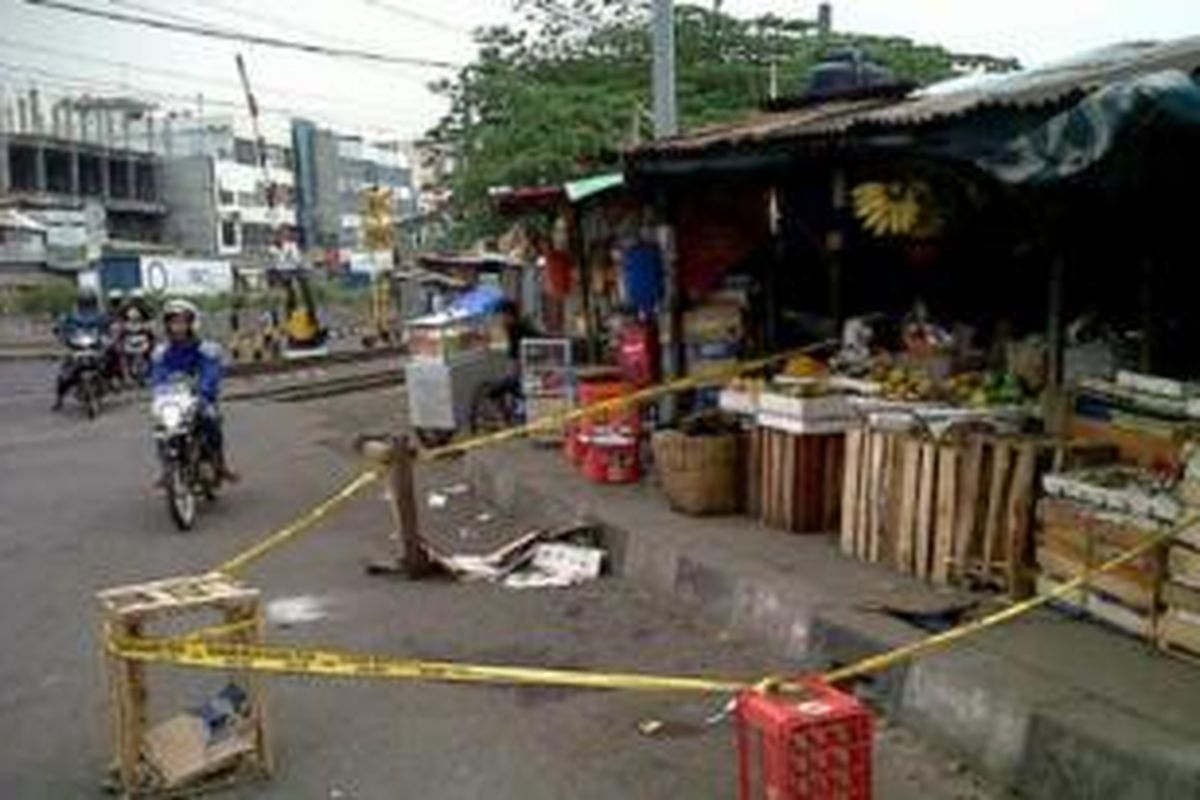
(170, 414)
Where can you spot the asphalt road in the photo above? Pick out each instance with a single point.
(78, 513)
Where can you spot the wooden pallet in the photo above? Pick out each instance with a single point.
(799, 480)
(1179, 634)
(1103, 607)
(133, 611)
(950, 512)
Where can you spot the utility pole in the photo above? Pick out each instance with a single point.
(665, 123)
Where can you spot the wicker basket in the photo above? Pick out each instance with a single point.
(699, 473)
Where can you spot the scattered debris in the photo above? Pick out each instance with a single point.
(456, 489)
(538, 558)
(485, 517)
(288, 611)
(558, 565)
(673, 729)
(192, 745)
(437, 500)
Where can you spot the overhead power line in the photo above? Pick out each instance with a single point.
(76, 82)
(221, 33)
(416, 16)
(174, 74)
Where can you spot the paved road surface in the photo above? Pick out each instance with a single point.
(77, 513)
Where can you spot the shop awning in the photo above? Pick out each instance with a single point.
(593, 185)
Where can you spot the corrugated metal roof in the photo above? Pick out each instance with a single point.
(1052, 83)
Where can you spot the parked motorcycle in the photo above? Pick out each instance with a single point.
(189, 468)
(85, 358)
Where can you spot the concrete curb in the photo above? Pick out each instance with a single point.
(1041, 730)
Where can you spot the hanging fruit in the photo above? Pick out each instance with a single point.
(896, 208)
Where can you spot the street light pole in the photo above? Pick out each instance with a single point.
(665, 123)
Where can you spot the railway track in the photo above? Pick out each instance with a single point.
(250, 369)
(321, 388)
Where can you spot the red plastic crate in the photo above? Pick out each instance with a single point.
(812, 746)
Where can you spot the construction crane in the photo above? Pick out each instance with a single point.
(304, 335)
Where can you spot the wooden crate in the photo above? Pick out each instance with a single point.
(1074, 538)
(954, 511)
(798, 480)
(1179, 627)
(133, 611)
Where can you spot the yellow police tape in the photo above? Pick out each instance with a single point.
(364, 479)
(199, 652)
(301, 523)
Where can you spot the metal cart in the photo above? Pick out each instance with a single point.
(452, 361)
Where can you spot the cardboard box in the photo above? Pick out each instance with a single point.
(179, 750)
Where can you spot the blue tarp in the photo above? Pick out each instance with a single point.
(477, 302)
(1073, 140)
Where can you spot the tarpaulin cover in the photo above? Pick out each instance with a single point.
(477, 302)
(1083, 135)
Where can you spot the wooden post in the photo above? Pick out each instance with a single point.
(413, 558)
(1055, 348)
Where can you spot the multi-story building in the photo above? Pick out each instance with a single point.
(85, 170)
(336, 172)
(216, 190)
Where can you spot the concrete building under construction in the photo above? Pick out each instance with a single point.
(84, 168)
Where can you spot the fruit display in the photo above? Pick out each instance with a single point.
(805, 367)
(972, 389)
(896, 208)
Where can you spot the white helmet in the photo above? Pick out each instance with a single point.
(178, 307)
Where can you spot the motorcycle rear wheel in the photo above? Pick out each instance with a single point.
(89, 396)
(181, 502)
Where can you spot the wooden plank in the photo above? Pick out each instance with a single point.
(753, 472)
(862, 510)
(835, 476)
(926, 489)
(968, 502)
(1184, 564)
(910, 466)
(892, 476)
(781, 479)
(1182, 596)
(1180, 631)
(993, 530)
(1134, 593)
(947, 504)
(1019, 524)
(768, 484)
(878, 499)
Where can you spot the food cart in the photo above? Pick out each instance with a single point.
(454, 357)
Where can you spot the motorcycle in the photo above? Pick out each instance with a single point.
(136, 346)
(85, 358)
(189, 468)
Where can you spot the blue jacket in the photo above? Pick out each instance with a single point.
(69, 324)
(195, 359)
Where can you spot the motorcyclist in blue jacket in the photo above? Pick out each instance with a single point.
(184, 353)
(87, 317)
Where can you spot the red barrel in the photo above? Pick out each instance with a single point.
(623, 420)
(612, 458)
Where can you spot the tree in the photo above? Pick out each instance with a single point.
(559, 95)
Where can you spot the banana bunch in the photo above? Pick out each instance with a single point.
(889, 209)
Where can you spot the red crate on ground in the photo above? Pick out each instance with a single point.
(811, 746)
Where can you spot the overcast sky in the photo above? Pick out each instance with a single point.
(61, 52)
